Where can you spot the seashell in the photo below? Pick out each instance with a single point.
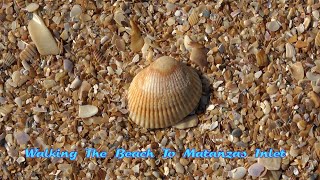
(186, 42)
(21, 3)
(32, 7)
(119, 17)
(6, 109)
(317, 39)
(297, 71)
(312, 76)
(271, 164)
(307, 22)
(137, 41)
(255, 170)
(86, 111)
(75, 83)
(217, 21)
(238, 173)
(29, 53)
(284, 129)
(42, 37)
(48, 83)
(7, 61)
(290, 51)
(193, 17)
(67, 65)
(262, 59)
(21, 137)
(76, 11)
(316, 86)
(198, 54)
(188, 122)
(84, 90)
(98, 56)
(315, 98)
(163, 94)
(273, 26)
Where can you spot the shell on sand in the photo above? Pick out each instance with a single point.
(30, 53)
(42, 37)
(8, 60)
(163, 94)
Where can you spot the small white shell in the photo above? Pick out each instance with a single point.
(86, 111)
(42, 37)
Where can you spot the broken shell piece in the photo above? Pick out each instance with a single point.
(255, 170)
(315, 98)
(297, 71)
(42, 37)
(75, 83)
(166, 83)
(194, 17)
(21, 137)
(86, 111)
(272, 89)
(316, 86)
(186, 42)
(312, 76)
(8, 60)
(290, 51)
(198, 54)
(49, 83)
(137, 41)
(273, 26)
(262, 59)
(6, 109)
(29, 53)
(32, 7)
(271, 164)
(21, 3)
(317, 39)
(84, 90)
(98, 56)
(76, 11)
(238, 173)
(188, 122)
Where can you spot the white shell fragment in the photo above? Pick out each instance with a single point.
(188, 122)
(42, 37)
(273, 26)
(32, 7)
(86, 111)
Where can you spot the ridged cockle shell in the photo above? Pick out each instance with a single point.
(163, 94)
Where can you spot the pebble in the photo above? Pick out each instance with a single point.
(188, 122)
(255, 170)
(270, 163)
(237, 132)
(179, 168)
(48, 83)
(238, 173)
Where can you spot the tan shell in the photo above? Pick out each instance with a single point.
(317, 39)
(98, 56)
(137, 40)
(21, 3)
(194, 17)
(262, 59)
(297, 71)
(163, 94)
(29, 53)
(42, 37)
